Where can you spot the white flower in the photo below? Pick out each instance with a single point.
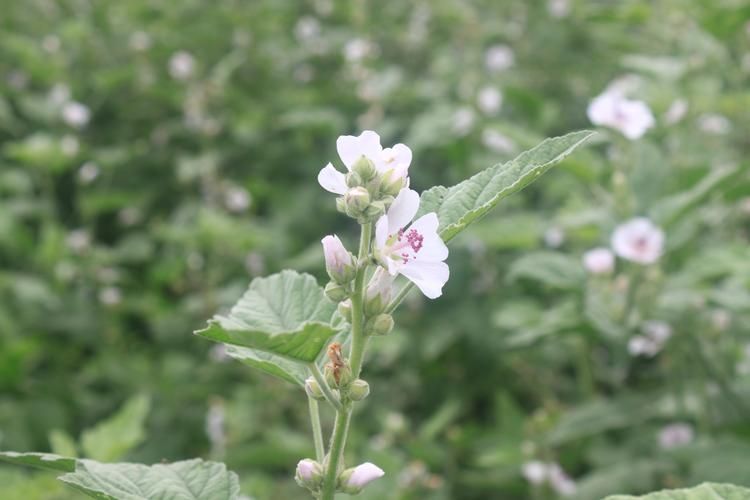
(357, 49)
(78, 240)
(558, 8)
(88, 172)
(307, 28)
(655, 335)
(554, 237)
(489, 100)
(364, 474)
(675, 435)
(417, 251)
(612, 109)
(339, 262)
(236, 199)
(75, 114)
(676, 111)
(640, 345)
(599, 260)
(713, 123)
(463, 121)
(181, 65)
(499, 58)
(497, 142)
(560, 481)
(638, 240)
(110, 296)
(392, 163)
(535, 471)
(658, 331)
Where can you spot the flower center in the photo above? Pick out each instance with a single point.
(406, 244)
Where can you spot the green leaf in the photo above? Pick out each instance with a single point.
(554, 269)
(62, 444)
(274, 365)
(111, 439)
(285, 314)
(460, 205)
(187, 480)
(705, 491)
(48, 461)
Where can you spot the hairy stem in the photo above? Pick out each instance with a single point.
(320, 451)
(327, 392)
(356, 356)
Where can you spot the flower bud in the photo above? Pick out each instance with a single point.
(357, 201)
(312, 388)
(345, 309)
(341, 204)
(365, 168)
(339, 262)
(393, 181)
(309, 474)
(335, 292)
(353, 179)
(358, 390)
(374, 210)
(382, 324)
(337, 376)
(353, 480)
(378, 293)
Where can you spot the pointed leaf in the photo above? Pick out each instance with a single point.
(705, 491)
(460, 205)
(187, 480)
(48, 461)
(277, 366)
(285, 314)
(111, 439)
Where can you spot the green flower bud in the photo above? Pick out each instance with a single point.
(309, 474)
(357, 201)
(337, 377)
(312, 388)
(378, 293)
(382, 324)
(365, 169)
(374, 210)
(358, 390)
(336, 292)
(392, 182)
(353, 179)
(341, 204)
(345, 309)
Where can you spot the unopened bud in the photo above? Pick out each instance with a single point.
(382, 324)
(353, 179)
(393, 181)
(336, 292)
(378, 293)
(339, 262)
(357, 201)
(309, 474)
(365, 168)
(345, 309)
(353, 480)
(358, 390)
(374, 210)
(312, 388)
(337, 376)
(341, 204)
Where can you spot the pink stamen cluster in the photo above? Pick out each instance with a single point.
(413, 239)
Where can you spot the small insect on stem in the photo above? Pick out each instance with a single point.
(337, 362)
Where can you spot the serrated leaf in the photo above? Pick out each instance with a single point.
(460, 205)
(112, 438)
(186, 480)
(48, 461)
(273, 365)
(705, 491)
(285, 314)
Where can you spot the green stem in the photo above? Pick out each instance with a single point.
(356, 356)
(320, 451)
(327, 392)
(399, 298)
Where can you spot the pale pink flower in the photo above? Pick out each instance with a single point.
(675, 435)
(339, 262)
(499, 58)
(489, 100)
(599, 260)
(638, 240)
(364, 474)
(414, 250)
(307, 468)
(534, 471)
(612, 109)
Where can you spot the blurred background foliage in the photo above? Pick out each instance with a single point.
(155, 156)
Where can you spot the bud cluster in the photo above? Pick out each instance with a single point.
(377, 297)
(370, 192)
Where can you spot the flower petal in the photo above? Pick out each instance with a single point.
(428, 276)
(350, 147)
(403, 209)
(332, 180)
(433, 247)
(402, 155)
(369, 142)
(381, 232)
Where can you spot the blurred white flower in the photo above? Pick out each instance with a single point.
(140, 41)
(612, 109)
(558, 8)
(307, 28)
(463, 121)
(534, 472)
(489, 100)
(640, 345)
(499, 58)
(218, 353)
(88, 173)
(554, 237)
(215, 423)
(357, 49)
(497, 141)
(658, 331)
(181, 65)
(655, 335)
(51, 43)
(715, 124)
(110, 296)
(676, 111)
(255, 264)
(236, 199)
(675, 435)
(75, 114)
(599, 260)
(638, 240)
(59, 94)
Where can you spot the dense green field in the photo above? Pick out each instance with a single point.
(156, 156)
